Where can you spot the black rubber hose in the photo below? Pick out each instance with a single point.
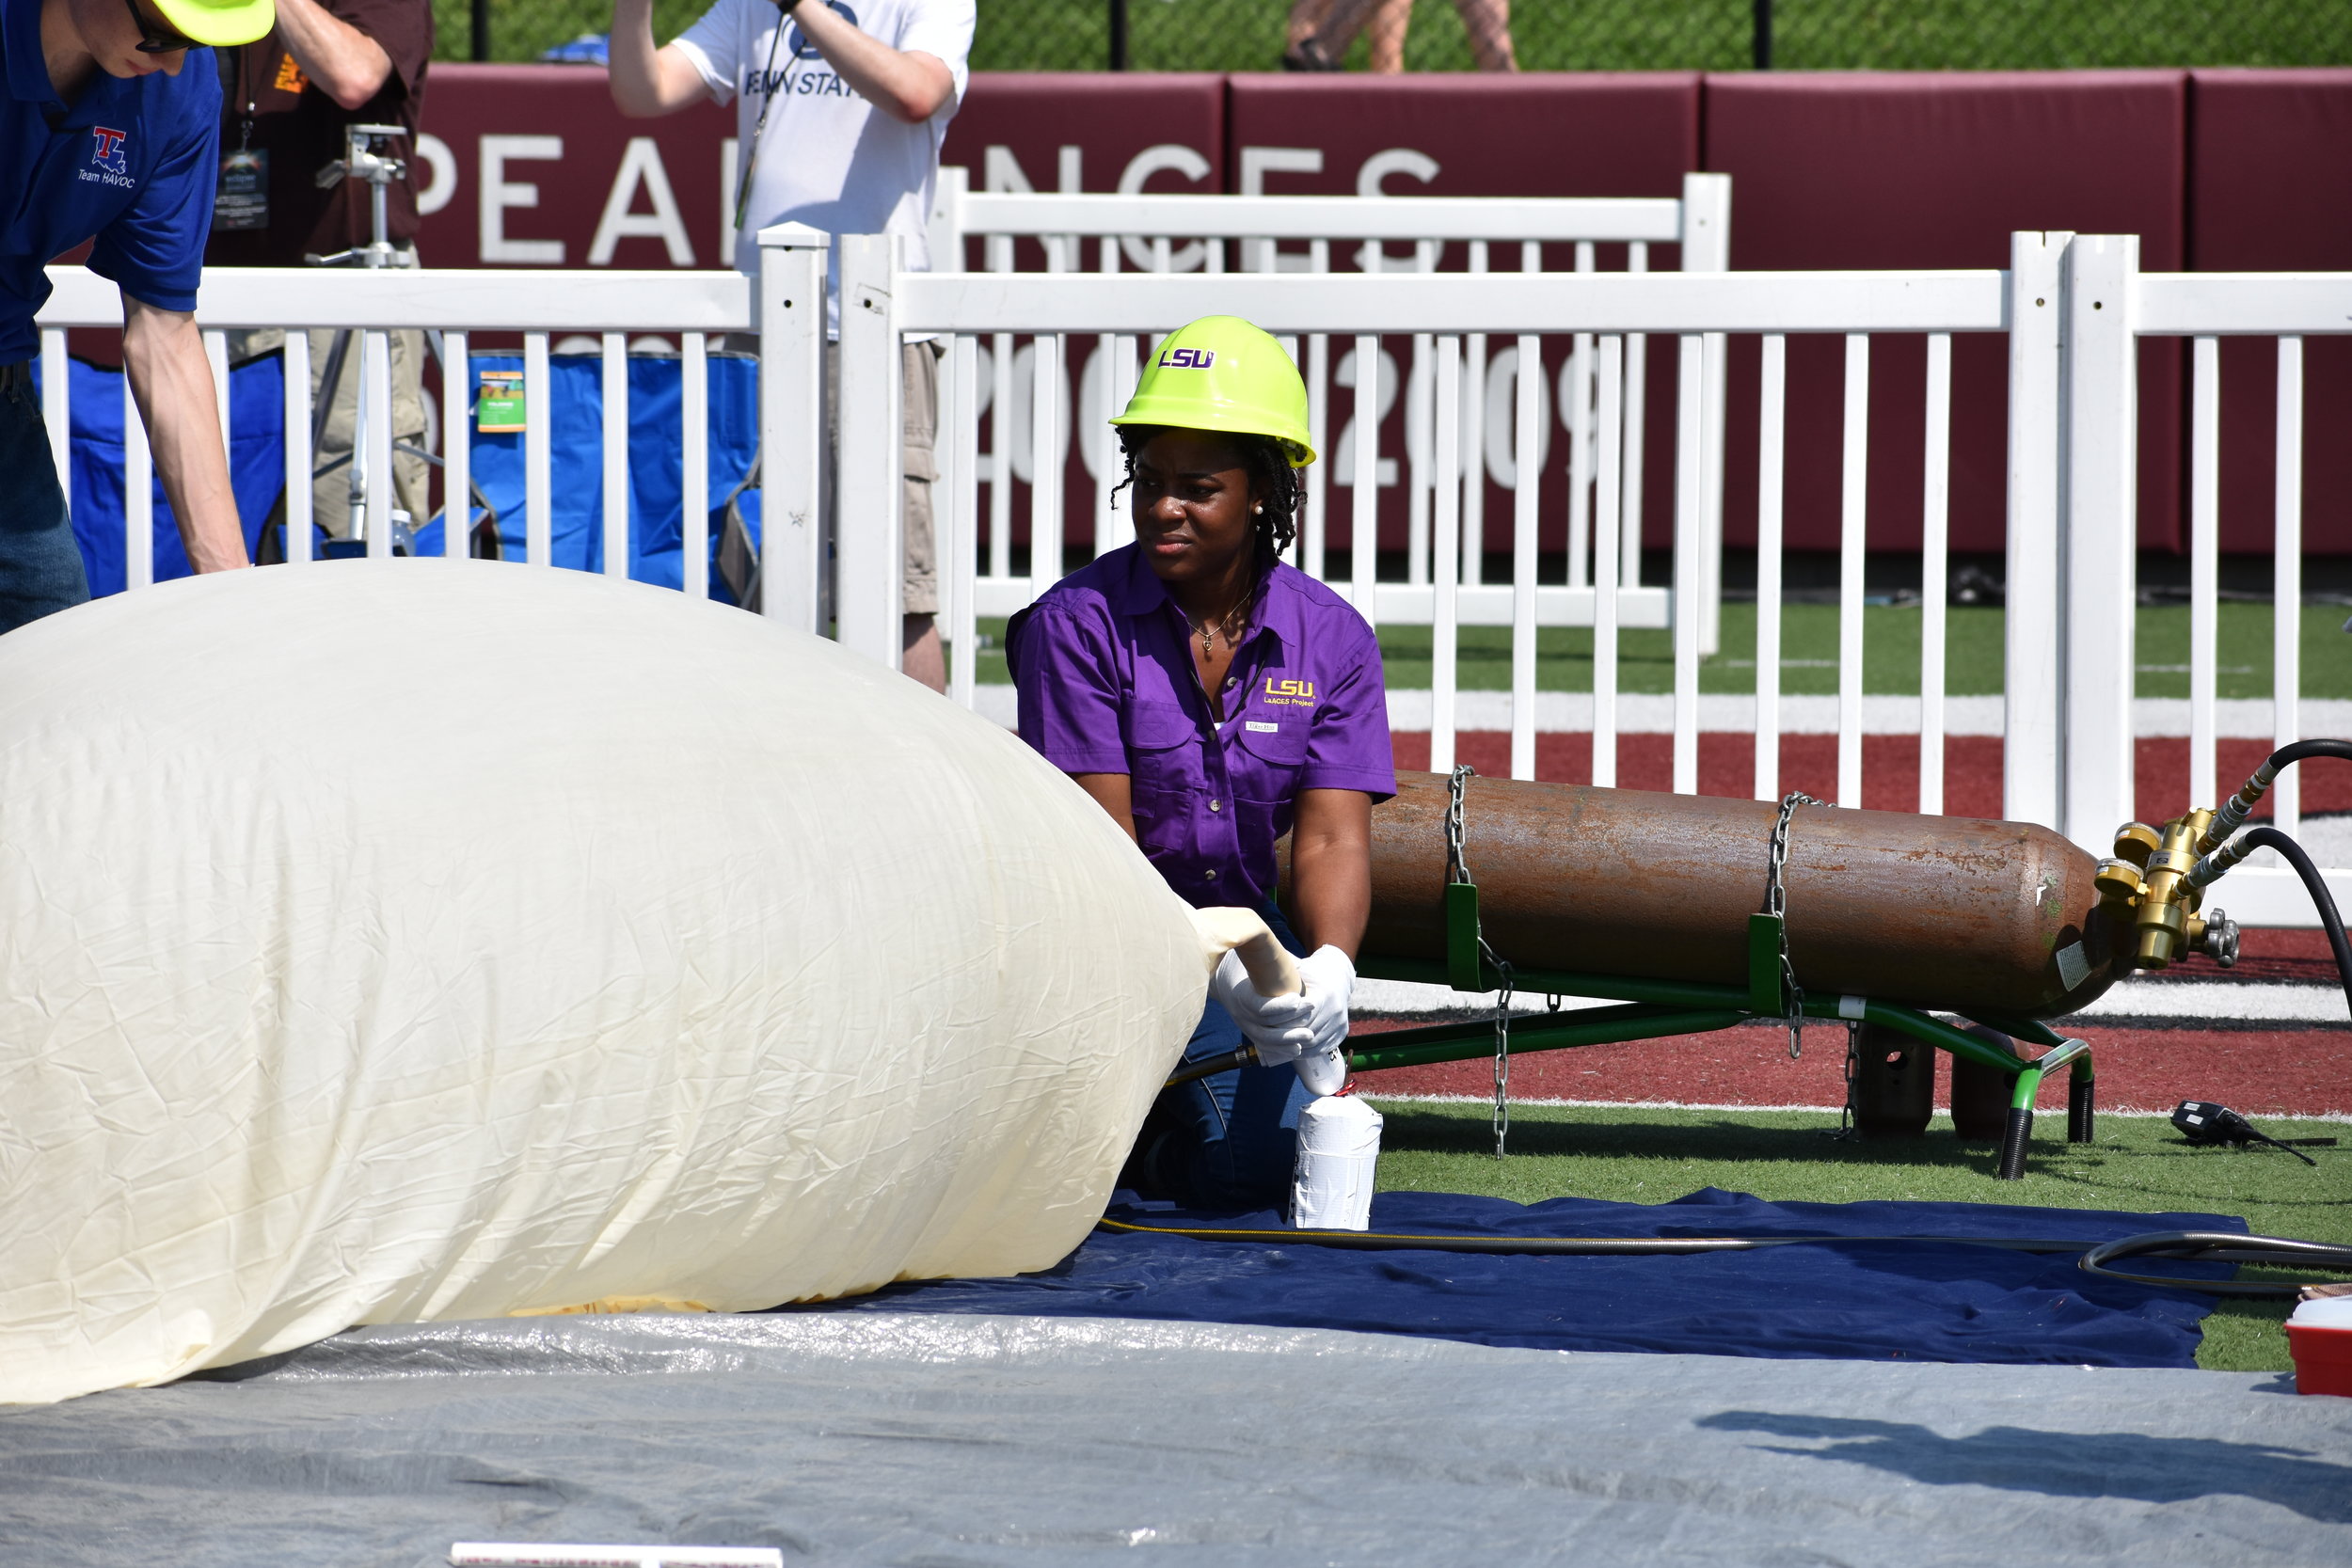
(1574, 1246)
(2314, 883)
(2216, 1247)
(2232, 813)
(2298, 751)
(1209, 1067)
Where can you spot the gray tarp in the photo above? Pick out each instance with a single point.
(937, 1440)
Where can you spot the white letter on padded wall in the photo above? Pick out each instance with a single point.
(640, 165)
(498, 196)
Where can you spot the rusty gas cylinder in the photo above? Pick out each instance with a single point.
(1938, 911)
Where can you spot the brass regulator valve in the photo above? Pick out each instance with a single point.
(2149, 876)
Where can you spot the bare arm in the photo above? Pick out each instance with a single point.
(164, 354)
(1114, 793)
(1331, 867)
(907, 85)
(646, 82)
(348, 65)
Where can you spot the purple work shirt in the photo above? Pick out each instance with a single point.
(1107, 685)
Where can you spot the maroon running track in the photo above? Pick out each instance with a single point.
(2282, 1072)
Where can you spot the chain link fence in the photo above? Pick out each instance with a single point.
(1568, 35)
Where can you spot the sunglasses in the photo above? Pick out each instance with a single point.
(157, 37)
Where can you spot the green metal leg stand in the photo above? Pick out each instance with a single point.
(2080, 1098)
(2019, 1133)
(1656, 1007)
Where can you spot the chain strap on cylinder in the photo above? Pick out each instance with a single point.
(1503, 1055)
(1853, 1065)
(1777, 907)
(1467, 951)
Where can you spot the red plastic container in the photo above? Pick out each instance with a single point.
(2323, 1358)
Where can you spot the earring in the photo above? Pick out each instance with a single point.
(1258, 510)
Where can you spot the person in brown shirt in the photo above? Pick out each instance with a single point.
(285, 101)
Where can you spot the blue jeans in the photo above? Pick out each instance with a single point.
(1227, 1142)
(40, 566)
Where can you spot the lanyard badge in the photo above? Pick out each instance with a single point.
(241, 197)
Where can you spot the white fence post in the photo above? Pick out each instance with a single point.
(2099, 350)
(943, 235)
(866, 521)
(792, 422)
(1706, 248)
(538, 452)
(374, 421)
(2032, 787)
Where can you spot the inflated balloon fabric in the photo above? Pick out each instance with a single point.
(392, 942)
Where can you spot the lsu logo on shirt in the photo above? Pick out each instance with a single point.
(1189, 358)
(1289, 693)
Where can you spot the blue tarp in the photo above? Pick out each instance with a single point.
(256, 425)
(656, 481)
(257, 467)
(1848, 1300)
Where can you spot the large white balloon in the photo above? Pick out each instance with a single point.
(387, 941)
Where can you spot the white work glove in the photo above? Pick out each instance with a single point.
(1331, 981)
(1277, 1025)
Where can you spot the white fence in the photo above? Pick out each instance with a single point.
(2077, 303)
(695, 305)
(1193, 234)
(1446, 308)
(2067, 304)
(2107, 305)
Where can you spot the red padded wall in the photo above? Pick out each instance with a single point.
(1935, 170)
(568, 189)
(1533, 134)
(2270, 190)
(1043, 126)
(1056, 131)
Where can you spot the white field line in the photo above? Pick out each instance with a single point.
(1649, 713)
(2285, 1002)
(2332, 1117)
(2247, 1000)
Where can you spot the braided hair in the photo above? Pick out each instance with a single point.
(1271, 479)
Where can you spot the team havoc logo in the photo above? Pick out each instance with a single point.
(106, 152)
(1189, 358)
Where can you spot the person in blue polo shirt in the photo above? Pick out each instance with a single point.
(105, 135)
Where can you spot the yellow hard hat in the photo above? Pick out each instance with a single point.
(223, 24)
(1221, 373)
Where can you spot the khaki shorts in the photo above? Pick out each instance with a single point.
(330, 492)
(918, 437)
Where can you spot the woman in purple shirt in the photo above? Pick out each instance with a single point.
(1214, 698)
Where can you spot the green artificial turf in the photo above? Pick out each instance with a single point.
(1643, 1155)
(1890, 663)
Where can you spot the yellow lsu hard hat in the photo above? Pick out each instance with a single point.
(1223, 373)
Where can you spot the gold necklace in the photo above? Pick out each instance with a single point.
(1208, 629)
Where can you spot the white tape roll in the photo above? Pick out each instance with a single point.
(1339, 1155)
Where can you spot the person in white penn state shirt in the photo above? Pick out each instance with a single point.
(841, 109)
